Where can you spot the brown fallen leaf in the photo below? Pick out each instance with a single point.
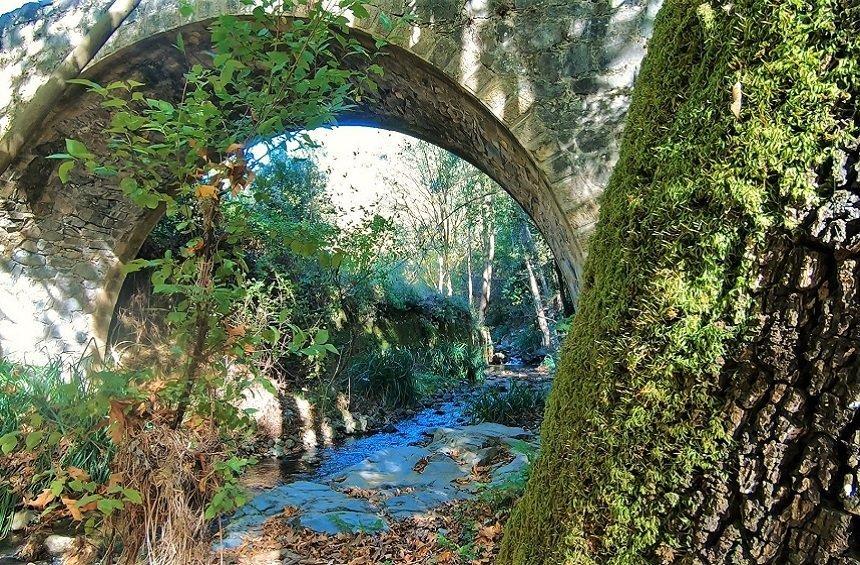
(41, 501)
(72, 507)
(117, 420)
(78, 474)
(421, 464)
(737, 99)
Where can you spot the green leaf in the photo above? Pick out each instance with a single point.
(132, 496)
(128, 185)
(135, 265)
(33, 439)
(385, 21)
(180, 43)
(64, 170)
(8, 442)
(359, 10)
(84, 82)
(77, 149)
(114, 103)
(321, 337)
(268, 386)
(185, 9)
(107, 506)
(57, 487)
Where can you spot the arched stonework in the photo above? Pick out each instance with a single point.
(468, 80)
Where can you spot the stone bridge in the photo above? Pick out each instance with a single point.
(533, 92)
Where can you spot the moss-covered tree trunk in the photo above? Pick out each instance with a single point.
(706, 406)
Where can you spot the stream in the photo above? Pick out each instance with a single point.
(347, 452)
(350, 450)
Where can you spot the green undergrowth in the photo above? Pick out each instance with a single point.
(401, 376)
(517, 405)
(696, 194)
(57, 397)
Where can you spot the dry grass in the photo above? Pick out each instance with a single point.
(141, 339)
(173, 471)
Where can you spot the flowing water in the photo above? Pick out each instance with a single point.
(315, 464)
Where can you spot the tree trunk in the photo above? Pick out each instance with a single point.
(546, 337)
(788, 489)
(469, 284)
(546, 294)
(29, 116)
(440, 283)
(705, 408)
(487, 276)
(449, 288)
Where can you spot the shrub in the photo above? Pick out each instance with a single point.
(49, 422)
(60, 401)
(519, 405)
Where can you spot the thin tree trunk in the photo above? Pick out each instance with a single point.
(546, 337)
(544, 286)
(30, 115)
(469, 289)
(440, 283)
(449, 288)
(487, 277)
(203, 311)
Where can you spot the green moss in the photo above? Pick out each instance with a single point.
(634, 414)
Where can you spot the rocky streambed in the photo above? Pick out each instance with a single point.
(393, 483)
(367, 483)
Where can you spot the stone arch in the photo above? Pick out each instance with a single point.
(446, 81)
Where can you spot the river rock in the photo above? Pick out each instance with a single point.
(318, 506)
(21, 519)
(404, 481)
(57, 545)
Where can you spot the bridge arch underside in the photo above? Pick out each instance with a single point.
(65, 245)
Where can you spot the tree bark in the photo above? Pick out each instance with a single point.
(788, 491)
(706, 404)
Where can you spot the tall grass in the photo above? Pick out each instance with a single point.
(518, 405)
(60, 397)
(401, 376)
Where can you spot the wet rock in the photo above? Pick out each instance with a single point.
(403, 482)
(486, 455)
